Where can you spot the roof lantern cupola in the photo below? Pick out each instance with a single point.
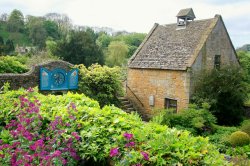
(184, 16)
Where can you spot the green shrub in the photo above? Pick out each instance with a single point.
(245, 127)
(11, 64)
(220, 137)
(101, 83)
(224, 90)
(239, 151)
(100, 130)
(197, 121)
(239, 138)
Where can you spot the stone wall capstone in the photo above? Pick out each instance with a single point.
(31, 78)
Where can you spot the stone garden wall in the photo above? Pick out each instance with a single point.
(31, 78)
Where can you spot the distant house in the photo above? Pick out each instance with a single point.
(24, 49)
(160, 73)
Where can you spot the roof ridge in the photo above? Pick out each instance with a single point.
(143, 42)
(206, 19)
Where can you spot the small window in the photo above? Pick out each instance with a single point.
(171, 104)
(217, 61)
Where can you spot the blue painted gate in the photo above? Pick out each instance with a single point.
(58, 79)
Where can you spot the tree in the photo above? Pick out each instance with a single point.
(79, 48)
(37, 32)
(9, 47)
(4, 17)
(133, 40)
(15, 21)
(103, 40)
(62, 20)
(225, 91)
(52, 29)
(244, 58)
(1, 46)
(116, 54)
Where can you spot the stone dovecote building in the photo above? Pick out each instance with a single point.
(161, 70)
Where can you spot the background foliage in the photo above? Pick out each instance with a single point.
(10, 64)
(101, 83)
(225, 91)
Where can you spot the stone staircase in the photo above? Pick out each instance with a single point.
(126, 105)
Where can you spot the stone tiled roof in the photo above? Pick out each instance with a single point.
(186, 12)
(172, 47)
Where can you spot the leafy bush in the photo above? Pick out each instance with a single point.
(239, 151)
(225, 91)
(239, 138)
(101, 129)
(245, 127)
(11, 64)
(220, 137)
(101, 83)
(197, 121)
(31, 144)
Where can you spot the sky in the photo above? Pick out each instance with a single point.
(140, 15)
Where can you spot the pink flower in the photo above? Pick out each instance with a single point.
(128, 136)
(19, 162)
(39, 142)
(30, 89)
(33, 147)
(57, 153)
(145, 155)
(73, 105)
(130, 144)
(75, 134)
(113, 152)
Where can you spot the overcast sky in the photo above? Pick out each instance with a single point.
(140, 15)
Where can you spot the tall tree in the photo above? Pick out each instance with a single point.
(9, 47)
(103, 40)
(1, 46)
(224, 90)
(244, 58)
(15, 21)
(80, 48)
(37, 32)
(63, 21)
(52, 29)
(4, 17)
(116, 54)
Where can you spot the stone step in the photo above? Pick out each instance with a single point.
(122, 99)
(126, 105)
(125, 102)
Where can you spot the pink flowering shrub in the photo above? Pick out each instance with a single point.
(34, 144)
(129, 152)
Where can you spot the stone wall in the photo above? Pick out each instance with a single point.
(143, 83)
(31, 78)
(217, 43)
